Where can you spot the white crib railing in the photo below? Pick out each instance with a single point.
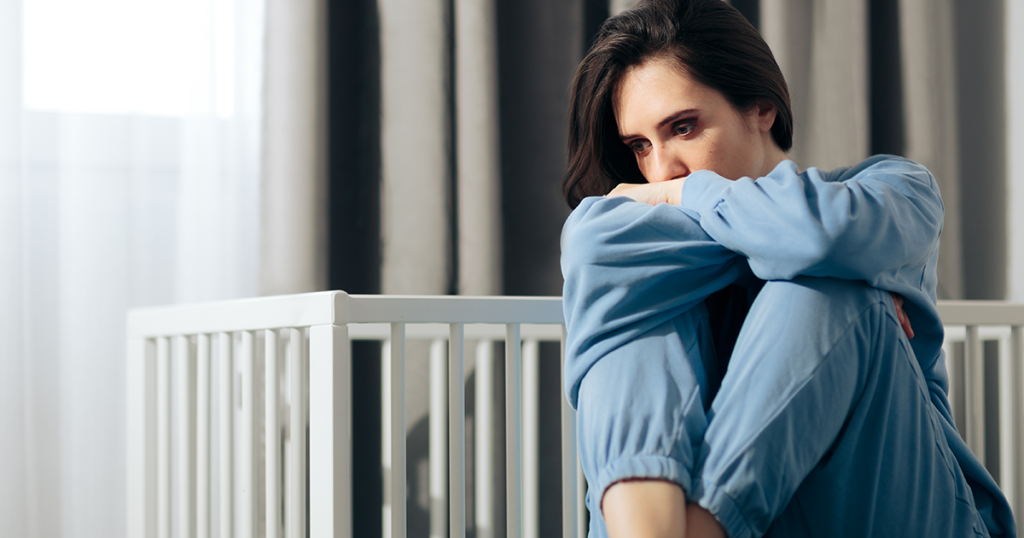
(181, 426)
(306, 379)
(972, 323)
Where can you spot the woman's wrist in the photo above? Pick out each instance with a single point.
(664, 192)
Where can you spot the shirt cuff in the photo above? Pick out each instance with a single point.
(724, 508)
(646, 467)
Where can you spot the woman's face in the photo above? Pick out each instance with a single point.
(676, 126)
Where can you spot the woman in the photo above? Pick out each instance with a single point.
(825, 419)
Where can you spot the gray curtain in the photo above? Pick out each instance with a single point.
(823, 47)
(471, 155)
(478, 147)
(473, 99)
(415, 141)
(929, 82)
(1014, 116)
(293, 231)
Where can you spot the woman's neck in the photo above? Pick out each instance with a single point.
(772, 157)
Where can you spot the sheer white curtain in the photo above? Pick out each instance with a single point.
(13, 476)
(129, 175)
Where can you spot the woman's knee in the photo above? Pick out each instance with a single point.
(793, 326)
(819, 294)
(821, 308)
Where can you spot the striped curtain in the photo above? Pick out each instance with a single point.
(448, 118)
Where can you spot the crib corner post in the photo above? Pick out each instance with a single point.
(330, 427)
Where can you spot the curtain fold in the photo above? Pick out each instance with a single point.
(821, 46)
(927, 40)
(15, 503)
(415, 147)
(477, 148)
(294, 218)
(1015, 151)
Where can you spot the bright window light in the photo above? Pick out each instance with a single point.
(149, 57)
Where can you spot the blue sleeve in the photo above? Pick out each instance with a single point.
(628, 268)
(872, 222)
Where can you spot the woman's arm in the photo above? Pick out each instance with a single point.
(869, 223)
(878, 222)
(628, 268)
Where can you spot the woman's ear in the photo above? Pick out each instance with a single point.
(765, 116)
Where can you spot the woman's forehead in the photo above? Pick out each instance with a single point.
(654, 87)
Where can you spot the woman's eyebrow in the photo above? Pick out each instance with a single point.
(675, 116)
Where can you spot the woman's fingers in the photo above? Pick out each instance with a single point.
(897, 299)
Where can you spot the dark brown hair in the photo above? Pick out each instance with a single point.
(713, 43)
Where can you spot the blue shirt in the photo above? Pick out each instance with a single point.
(629, 266)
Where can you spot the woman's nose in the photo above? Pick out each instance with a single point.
(666, 166)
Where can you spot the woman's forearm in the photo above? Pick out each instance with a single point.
(863, 224)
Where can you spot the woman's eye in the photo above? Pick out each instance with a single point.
(684, 129)
(638, 147)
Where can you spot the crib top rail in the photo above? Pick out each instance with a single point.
(340, 308)
(336, 308)
(981, 313)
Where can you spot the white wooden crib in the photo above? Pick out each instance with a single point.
(218, 397)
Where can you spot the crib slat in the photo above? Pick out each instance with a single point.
(483, 443)
(569, 527)
(974, 389)
(531, 439)
(513, 432)
(385, 434)
(247, 442)
(398, 463)
(163, 438)
(225, 433)
(295, 494)
(1016, 413)
(953, 374)
(1004, 380)
(438, 439)
(456, 432)
(272, 428)
(581, 500)
(582, 530)
(202, 436)
(186, 436)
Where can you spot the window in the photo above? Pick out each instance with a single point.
(152, 57)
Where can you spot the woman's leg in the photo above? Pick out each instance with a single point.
(641, 417)
(648, 508)
(823, 425)
(645, 509)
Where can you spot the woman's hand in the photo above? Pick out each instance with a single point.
(663, 192)
(901, 315)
